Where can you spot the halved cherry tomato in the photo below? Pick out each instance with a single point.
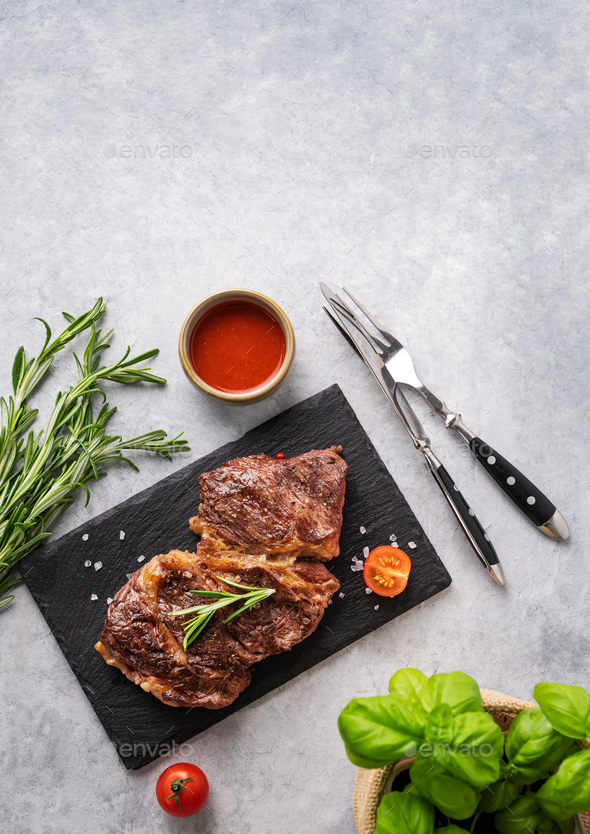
(386, 570)
(182, 789)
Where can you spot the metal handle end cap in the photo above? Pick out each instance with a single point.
(497, 573)
(556, 527)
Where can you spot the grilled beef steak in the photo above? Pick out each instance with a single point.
(146, 645)
(252, 508)
(259, 504)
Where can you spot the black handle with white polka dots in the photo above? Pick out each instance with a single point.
(473, 528)
(525, 495)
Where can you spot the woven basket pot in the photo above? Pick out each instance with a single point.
(370, 785)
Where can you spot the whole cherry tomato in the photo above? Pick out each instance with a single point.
(386, 570)
(182, 789)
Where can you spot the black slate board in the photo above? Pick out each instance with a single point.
(156, 521)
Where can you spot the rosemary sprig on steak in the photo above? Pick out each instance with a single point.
(195, 625)
(39, 474)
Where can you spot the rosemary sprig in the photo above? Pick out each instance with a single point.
(39, 475)
(194, 626)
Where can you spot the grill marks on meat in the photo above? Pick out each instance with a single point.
(146, 645)
(259, 504)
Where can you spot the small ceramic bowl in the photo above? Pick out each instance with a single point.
(252, 395)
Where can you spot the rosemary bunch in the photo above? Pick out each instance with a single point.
(39, 474)
(194, 626)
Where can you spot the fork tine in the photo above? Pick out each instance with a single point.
(344, 318)
(342, 331)
(371, 317)
(376, 344)
(341, 310)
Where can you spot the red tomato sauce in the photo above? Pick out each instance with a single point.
(237, 346)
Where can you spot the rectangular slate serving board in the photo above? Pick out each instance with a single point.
(156, 521)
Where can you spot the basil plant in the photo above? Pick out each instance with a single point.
(533, 780)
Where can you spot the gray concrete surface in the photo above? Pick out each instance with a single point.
(432, 157)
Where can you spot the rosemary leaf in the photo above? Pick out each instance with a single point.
(193, 627)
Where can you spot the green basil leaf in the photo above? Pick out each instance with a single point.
(408, 684)
(520, 817)
(552, 760)
(404, 813)
(566, 707)
(567, 792)
(378, 730)
(452, 796)
(499, 795)
(456, 689)
(531, 740)
(361, 761)
(524, 775)
(478, 745)
(439, 726)
(545, 825)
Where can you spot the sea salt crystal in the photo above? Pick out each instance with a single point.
(365, 552)
(376, 608)
(356, 567)
(93, 597)
(109, 600)
(97, 565)
(140, 558)
(393, 538)
(412, 545)
(329, 602)
(341, 595)
(121, 535)
(87, 563)
(368, 591)
(85, 537)
(363, 530)
(128, 575)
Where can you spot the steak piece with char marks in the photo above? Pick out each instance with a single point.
(260, 504)
(146, 645)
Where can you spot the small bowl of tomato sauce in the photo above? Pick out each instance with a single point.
(237, 346)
